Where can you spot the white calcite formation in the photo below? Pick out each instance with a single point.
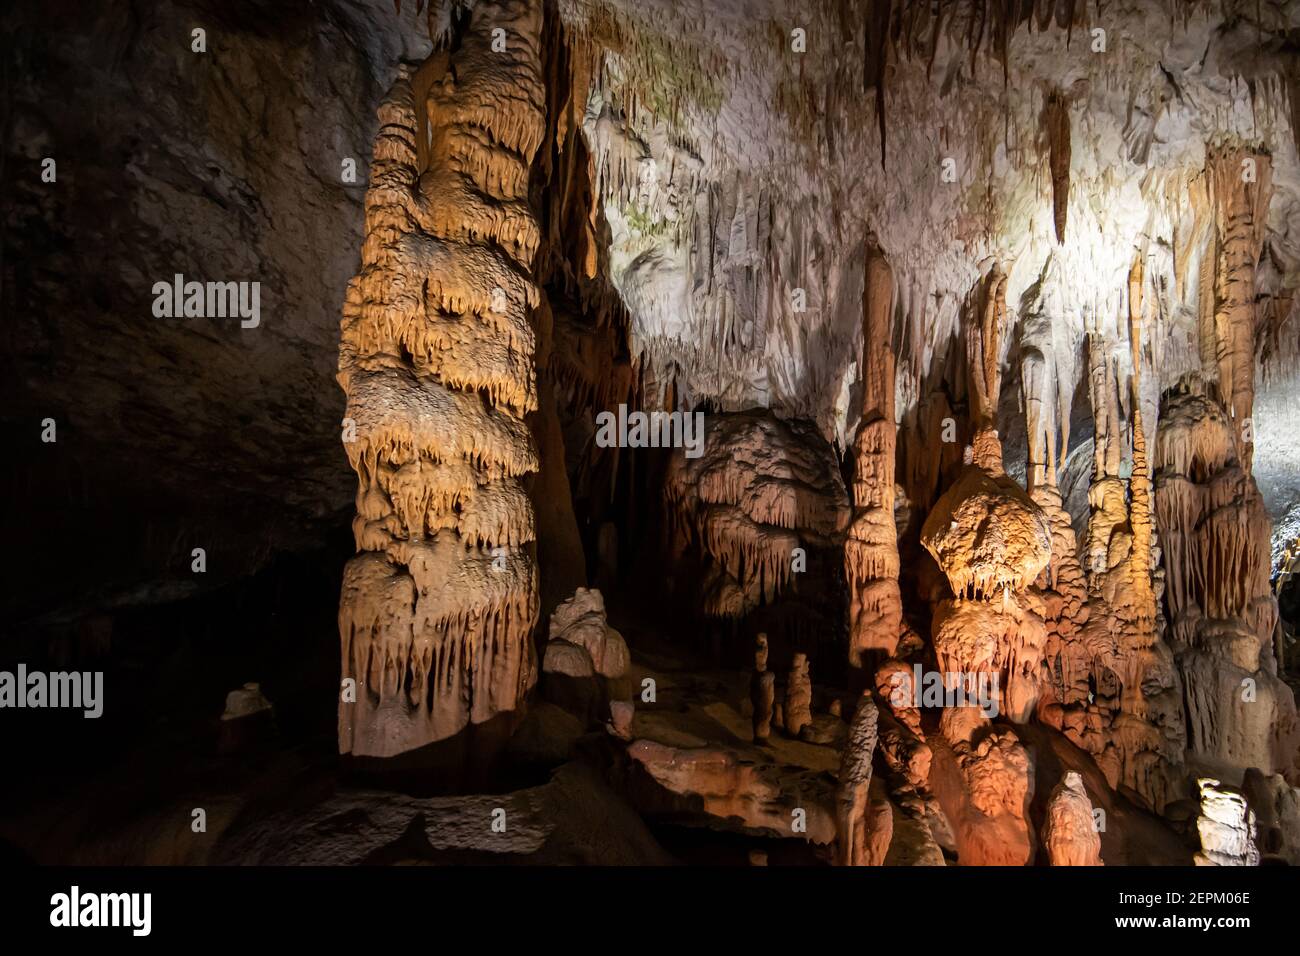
(734, 174)
(437, 363)
(1226, 827)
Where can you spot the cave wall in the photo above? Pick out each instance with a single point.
(224, 165)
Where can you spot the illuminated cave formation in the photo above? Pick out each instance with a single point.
(986, 549)
(437, 360)
(1047, 294)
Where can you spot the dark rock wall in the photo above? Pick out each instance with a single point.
(225, 165)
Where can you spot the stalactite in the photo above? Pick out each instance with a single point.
(437, 361)
(1057, 121)
(1137, 702)
(1212, 521)
(1064, 699)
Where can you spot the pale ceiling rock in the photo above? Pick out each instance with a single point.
(781, 201)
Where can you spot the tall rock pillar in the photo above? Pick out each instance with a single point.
(871, 549)
(437, 361)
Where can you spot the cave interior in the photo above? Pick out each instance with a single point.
(697, 431)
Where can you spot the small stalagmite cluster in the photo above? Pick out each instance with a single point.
(436, 360)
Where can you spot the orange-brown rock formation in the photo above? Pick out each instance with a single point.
(436, 361)
(1222, 611)
(1069, 832)
(991, 541)
(1215, 530)
(854, 844)
(871, 549)
(1135, 693)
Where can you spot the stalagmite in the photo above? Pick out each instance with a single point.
(1226, 827)
(902, 740)
(1240, 186)
(853, 795)
(1069, 658)
(871, 549)
(985, 787)
(581, 621)
(991, 541)
(1136, 696)
(436, 360)
(1221, 608)
(798, 696)
(1069, 833)
(762, 690)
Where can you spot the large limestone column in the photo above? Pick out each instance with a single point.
(1212, 519)
(1137, 688)
(437, 361)
(991, 540)
(871, 550)
(1046, 380)
(1240, 186)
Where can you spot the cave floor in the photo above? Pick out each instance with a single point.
(576, 796)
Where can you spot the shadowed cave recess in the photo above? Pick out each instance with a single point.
(697, 431)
